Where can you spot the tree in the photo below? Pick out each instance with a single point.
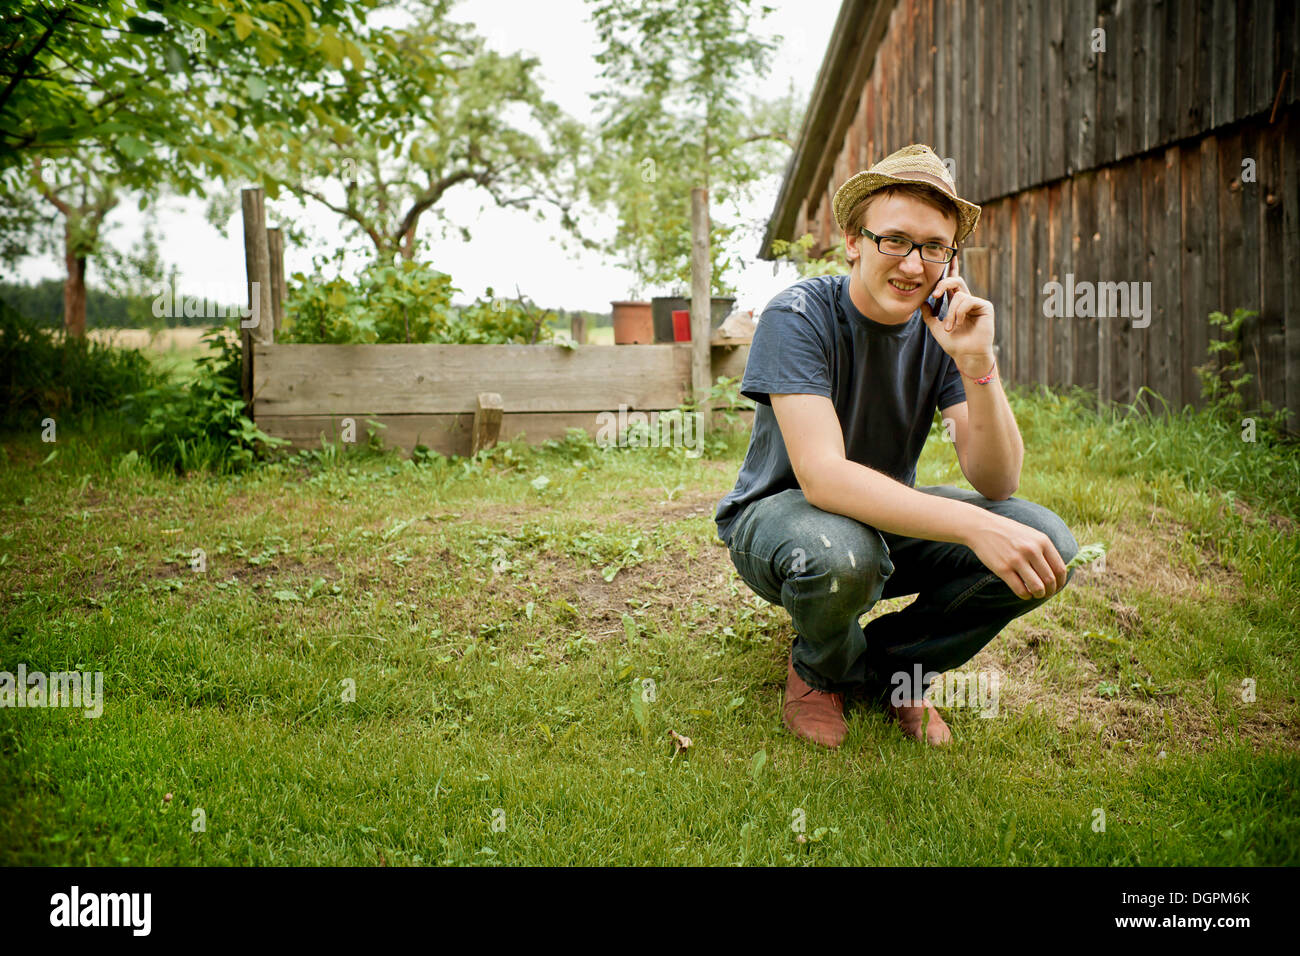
(160, 93)
(83, 192)
(443, 112)
(672, 118)
(169, 76)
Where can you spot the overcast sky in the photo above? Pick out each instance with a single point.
(560, 35)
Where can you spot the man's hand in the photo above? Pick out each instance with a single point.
(1021, 556)
(966, 332)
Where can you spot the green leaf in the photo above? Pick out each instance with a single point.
(256, 86)
(301, 11)
(1087, 555)
(132, 147)
(145, 26)
(332, 46)
(286, 596)
(243, 25)
(640, 711)
(757, 764)
(629, 626)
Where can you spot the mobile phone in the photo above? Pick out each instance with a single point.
(939, 304)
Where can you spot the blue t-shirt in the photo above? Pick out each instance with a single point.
(885, 382)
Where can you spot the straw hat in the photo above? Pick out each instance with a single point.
(911, 164)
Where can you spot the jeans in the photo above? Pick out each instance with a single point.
(827, 570)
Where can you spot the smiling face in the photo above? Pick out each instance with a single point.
(888, 289)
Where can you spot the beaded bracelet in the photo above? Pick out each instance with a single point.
(989, 377)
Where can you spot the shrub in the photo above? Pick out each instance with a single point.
(43, 373)
(201, 424)
(405, 302)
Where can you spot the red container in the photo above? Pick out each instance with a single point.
(681, 325)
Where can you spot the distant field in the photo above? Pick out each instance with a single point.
(172, 349)
(164, 340)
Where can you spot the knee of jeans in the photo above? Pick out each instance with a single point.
(854, 556)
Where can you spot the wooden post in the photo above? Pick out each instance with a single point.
(487, 422)
(275, 246)
(258, 326)
(578, 328)
(701, 282)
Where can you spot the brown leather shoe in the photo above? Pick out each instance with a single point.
(911, 718)
(814, 714)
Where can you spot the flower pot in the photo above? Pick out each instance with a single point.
(633, 323)
(664, 306)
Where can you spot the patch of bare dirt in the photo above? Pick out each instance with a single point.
(1144, 558)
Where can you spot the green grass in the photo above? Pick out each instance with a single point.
(499, 677)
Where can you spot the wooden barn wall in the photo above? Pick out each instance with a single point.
(1122, 165)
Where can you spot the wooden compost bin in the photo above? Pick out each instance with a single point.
(428, 394)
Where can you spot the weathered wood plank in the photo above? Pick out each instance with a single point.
(1009, 81)
(1051, 332)
(1095, 194)
(1246, 55)
(486, 428)
(1224, 70)
(968, 158)
(1153, 261)
(1169, 268)
(1192, 290)
(1264, 52)
(1155, 79)
(1130, 48)
(1037, 109)
(983, 133)
(1196, 347)
(997, 239)
(431, 379)
(1025, 371)
(1025, 92)
(1104, 326)
(1249, 198)
(451, 434)
(1042, 258)
(1233, 265)
(886, 59)
(1083, 86)
(1149, 266)
(1288, 137)
(939, 76)
(1272, 326)
(1130, 345)
(1063, 261)
(1107, 62)
(1054, 94)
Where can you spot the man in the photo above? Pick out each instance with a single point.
(825, 520)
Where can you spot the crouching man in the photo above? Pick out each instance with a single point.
(825, 518)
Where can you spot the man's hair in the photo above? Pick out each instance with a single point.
(925, 194)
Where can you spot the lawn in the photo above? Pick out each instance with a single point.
(391, 663)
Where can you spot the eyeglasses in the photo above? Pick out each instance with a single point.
(898, 246)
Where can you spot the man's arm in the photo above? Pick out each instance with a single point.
(989, 447)
(1023, 557)
(987, 439)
